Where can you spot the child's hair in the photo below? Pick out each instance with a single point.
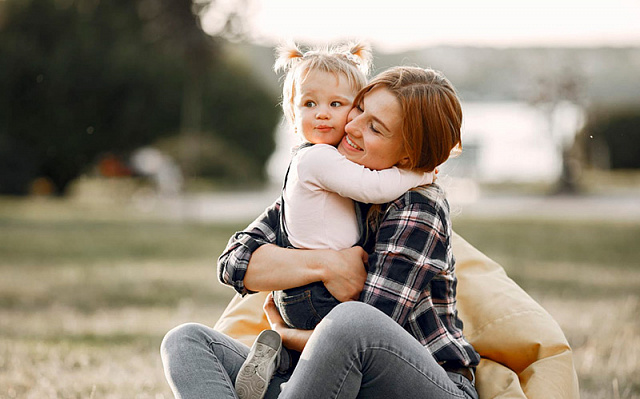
(431, 113)
(352, 60)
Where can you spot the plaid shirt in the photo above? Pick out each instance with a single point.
(410, 273)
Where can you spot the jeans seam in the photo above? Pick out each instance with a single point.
(457, 394)
(313, 308)
(228, 383)
(341, 385)
(213, 343)
(300, 299)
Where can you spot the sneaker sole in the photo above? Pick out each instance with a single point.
(256, 372)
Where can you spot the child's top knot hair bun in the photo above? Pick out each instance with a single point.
(351, 60)
(356, 53)
(287, 54)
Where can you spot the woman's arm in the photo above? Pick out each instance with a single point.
(252, 262)
(325, 167)
(274, 268)
(234, 261)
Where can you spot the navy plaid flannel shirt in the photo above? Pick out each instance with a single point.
(410, 273)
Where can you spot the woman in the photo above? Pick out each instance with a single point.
(406, 339)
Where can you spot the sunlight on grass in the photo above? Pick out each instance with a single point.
(87, 293)
(587, 276)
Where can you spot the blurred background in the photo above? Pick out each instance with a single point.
(136, 136)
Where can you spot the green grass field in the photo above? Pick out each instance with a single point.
(87, 293)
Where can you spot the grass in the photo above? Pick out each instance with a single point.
(587, 275)
(87, 293)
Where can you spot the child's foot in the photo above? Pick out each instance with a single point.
(256, 372)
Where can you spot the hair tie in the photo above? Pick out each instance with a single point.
(352, 58)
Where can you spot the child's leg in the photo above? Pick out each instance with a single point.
(256, 372)
(304, 307)
(288, 360)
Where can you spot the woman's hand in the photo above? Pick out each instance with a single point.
(291, 338)
(345, 273)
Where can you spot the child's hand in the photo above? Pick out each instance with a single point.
(273, 315)
(291, 338)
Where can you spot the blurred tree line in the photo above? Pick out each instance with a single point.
(611, 138)
(84, 78)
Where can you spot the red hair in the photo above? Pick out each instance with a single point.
(431, 113)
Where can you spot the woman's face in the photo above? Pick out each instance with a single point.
(374, 132)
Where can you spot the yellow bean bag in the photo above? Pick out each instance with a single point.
(524, 352)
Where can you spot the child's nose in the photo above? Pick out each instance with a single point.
(322, 113)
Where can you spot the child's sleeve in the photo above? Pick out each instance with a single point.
(324, 167)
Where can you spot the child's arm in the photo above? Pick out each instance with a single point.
(324, 166)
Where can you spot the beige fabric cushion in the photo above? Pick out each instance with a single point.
(525, 353)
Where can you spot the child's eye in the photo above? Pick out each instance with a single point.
(336, 104)
(309, 104)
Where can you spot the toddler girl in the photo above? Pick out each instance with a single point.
(320, 186)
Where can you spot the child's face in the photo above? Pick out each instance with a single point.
(321, 105)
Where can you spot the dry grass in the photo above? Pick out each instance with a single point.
(587, 275)
(87, 293)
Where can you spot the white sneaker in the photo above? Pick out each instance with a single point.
(256, 372)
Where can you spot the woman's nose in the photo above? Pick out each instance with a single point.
(352, 127)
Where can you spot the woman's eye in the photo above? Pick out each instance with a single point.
(373, 128)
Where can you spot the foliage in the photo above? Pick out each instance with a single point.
(611, 138)
(84, 78)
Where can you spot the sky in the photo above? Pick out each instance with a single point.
(396, 25)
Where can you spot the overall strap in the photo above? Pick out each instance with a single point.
(361, 209)
(282, 239)
(362, 212)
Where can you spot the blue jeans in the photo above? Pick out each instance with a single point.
(304, 307)
(355, 352)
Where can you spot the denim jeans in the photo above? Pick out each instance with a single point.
(304, 307)
(356, 351)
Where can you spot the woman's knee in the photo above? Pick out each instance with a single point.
(181, 336)
(352, 320)
(355, 313)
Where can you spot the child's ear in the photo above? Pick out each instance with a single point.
(404, 162)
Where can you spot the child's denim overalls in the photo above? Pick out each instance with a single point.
(304, 307)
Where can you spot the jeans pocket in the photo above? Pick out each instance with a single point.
(297, 309)
(464, 385)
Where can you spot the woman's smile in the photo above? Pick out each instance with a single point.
(373, 133)
(350, 143)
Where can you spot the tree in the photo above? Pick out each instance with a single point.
(81, 78)
(566, 88)
(611, 138)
